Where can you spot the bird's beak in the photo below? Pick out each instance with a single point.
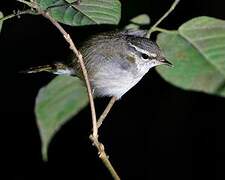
(164, 61)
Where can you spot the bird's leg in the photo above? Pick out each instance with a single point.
(106, 111)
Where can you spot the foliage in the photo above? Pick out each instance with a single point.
(85, 12)
(138, 21)
(60, 100)
(196, 49)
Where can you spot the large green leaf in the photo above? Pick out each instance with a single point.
(83, 12)
(197, 51)
(1, 16)
(56, 103)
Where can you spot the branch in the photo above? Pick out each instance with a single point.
(163, 17)
(30, 3)
(94, 135)
(104, 157)
(84, 70)
(106, 111)
(18, 13)
(164, 30)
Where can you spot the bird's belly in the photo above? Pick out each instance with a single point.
(116, 85)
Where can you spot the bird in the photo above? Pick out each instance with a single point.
(115, 61)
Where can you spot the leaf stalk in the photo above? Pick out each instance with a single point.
(162, 18)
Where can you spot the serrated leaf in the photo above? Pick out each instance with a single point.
(56, 103)
(197, 51)
(83, 12)
(1, 16)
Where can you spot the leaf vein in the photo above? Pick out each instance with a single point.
(200, 52)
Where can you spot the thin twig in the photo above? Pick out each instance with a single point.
(106, 111)
(94, 135)
(31, 4)
(104, 157)
(84, 70)
(18, 13)
(163, 30)
(163, 17)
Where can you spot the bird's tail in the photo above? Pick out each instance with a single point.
(57, 68)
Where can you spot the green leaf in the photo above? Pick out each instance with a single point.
(136, 22)
(1, 16)
(56, 103)
(83, 12)
(197, 51)
(132, 26)
(142, 19)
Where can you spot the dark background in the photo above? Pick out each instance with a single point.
(156, 131)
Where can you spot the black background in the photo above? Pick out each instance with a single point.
(156, 131)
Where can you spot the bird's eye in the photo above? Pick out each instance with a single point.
(144, 56)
